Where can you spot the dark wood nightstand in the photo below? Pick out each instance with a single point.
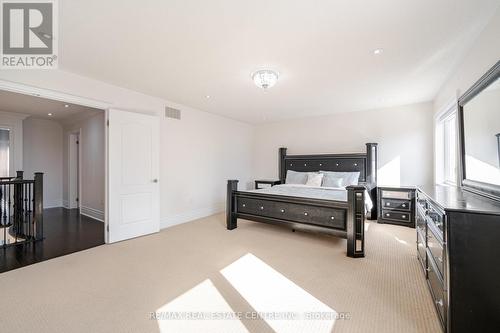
(263, 183)
(396, 205)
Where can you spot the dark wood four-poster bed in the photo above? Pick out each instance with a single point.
(344, 218)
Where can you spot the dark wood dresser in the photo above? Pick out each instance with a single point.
(396, 205)
(458, 244)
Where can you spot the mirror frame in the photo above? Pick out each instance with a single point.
(485, 189)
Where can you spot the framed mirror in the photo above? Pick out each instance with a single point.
(479, 124)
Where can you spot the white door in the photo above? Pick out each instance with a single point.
(133, 191)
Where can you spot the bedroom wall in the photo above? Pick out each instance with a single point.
(482, 55)
(92, 145)
(42, 152)
(404, 135)
(198, 153)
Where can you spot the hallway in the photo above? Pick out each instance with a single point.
(65, 231)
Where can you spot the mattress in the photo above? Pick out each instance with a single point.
(313, 192)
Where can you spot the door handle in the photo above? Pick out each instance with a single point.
(155, 180)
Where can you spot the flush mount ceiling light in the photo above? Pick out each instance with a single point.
(66, 105)
(49, 114)
(378, 51)
(265, 78)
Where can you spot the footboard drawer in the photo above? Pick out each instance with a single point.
(323, 216)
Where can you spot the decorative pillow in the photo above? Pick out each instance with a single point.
(314, 179)
(348, 178)
(294, 177)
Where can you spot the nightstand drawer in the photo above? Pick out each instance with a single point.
(396, 204)
(389, 194)
(395, 215)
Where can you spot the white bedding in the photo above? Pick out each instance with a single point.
(315, 192)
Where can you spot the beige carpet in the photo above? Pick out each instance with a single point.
(115, 288)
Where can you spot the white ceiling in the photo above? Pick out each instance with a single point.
(183, 50)
(41, 107)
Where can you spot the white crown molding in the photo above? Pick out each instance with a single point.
(52, 94)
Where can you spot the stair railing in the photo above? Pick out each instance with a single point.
(21, 209)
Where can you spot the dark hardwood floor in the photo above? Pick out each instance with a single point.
(65, 232)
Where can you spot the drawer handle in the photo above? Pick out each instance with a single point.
(404, 205)
(282, 210)
(306, 213)
(403, 216)
(261, 207)
(387, 214)
(244, 205)
(332, 217)
(440, 302)
(388, 204)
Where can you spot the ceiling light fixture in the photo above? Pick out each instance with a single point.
(208, 96)
(49, 114)
(378, 51)
(265, 78)
(66, 105)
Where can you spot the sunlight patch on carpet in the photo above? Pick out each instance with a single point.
(200, 309)
(284, 305)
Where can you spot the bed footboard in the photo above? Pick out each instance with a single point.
(339, 218)
(231, 217)
(356, 221)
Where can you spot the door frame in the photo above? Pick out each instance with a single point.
(71, 99)
(70, 137)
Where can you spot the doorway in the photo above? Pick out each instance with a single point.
(74, 179)
(4, 152)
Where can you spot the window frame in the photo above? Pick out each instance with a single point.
(446, 146)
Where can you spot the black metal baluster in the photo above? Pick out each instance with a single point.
(30, 205)
(3, 215)
(25, 211)
(9, 202)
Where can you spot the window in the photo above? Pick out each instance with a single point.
(446, 146)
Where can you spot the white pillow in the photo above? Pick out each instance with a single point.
(295, 177)
(348, 178)
(314, 179)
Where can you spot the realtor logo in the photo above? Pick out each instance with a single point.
(29, 34)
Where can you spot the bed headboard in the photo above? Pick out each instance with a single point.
(365, 163)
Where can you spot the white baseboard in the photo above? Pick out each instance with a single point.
(52, 204)
(65, 204)
(195, 214)
(93, 213)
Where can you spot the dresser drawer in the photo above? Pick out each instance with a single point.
(436, 250)
(396, 204)
(437, 289)
(395, 215)
(436, 218)
(420, 222)
(421, 249)
(328, 217)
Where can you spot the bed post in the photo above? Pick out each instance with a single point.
(371, 176)
(356, 221)
(282, 166)
(231, 223)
